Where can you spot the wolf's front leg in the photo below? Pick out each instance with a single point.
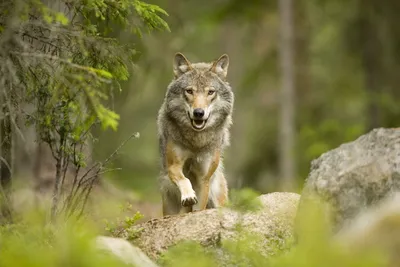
(175, 161)
(188, 196)
(204, 183)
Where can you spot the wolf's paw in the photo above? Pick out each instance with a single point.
(189, 200)
(188, 195)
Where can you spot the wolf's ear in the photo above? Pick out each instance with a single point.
(181, 65)
(220, 66)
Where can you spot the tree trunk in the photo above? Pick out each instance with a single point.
(5, 165)
(371, 54)
(287, 162)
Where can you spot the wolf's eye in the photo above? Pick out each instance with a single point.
(189, 91)
(211, 92)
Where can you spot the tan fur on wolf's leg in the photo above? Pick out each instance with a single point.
(175, 162)
(222, 197)
(205, 182)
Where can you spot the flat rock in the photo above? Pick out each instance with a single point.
(124, 251)
(274, 222)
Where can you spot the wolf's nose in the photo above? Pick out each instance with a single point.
(198, 113)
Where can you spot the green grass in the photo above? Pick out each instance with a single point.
(33, 242)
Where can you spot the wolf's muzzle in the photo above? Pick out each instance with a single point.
(198, 120)
(198, 113)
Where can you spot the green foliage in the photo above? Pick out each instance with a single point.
(187, 254)
(245, 250)
(125, 225)
(316, 248)
(32, 243)
(244, 200)
(147, 14)
(120, 13)
(79, 62)
(63, 61)
(321, 138)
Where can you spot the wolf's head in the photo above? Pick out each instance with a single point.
(199, 97)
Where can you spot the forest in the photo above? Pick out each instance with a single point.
(81, 85)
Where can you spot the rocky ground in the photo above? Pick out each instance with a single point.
(356, 183)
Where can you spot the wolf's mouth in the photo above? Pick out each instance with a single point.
(198, 124)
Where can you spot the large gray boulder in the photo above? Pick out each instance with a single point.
(355, 175)
(274, 223)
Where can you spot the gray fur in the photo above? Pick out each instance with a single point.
(174, 125)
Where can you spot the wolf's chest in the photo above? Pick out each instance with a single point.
(202, 142)
(197, 164)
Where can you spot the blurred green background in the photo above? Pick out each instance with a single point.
(347, 56)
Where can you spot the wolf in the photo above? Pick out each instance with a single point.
(193, 130)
